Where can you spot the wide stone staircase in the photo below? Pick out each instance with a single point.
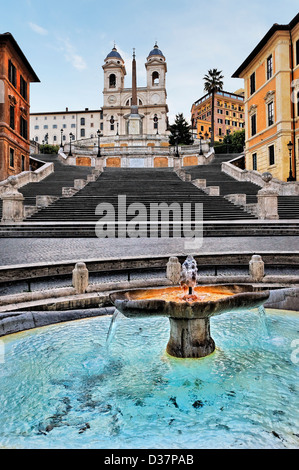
(76, 216)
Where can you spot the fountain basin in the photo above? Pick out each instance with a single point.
(189, 319)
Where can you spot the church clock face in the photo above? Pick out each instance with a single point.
(112, 99)
(155, 98)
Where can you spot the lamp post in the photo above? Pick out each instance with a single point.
(46, 138)
(70, 152)
(61, 141)
(177, 144)
(200, 144)
(117, 127)
(99, 147)
(290, 148)
(227, 140)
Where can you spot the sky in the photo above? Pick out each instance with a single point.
(66, 42)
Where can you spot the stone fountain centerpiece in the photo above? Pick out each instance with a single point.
(189, 309)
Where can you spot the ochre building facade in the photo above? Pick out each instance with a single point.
(271, 79)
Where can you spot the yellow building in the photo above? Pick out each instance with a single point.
(229, 114)
(271, 80)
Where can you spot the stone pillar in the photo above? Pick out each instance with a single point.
(257, 268)
(267, 205)
(13, 203)
(177, 163)
(80, 278)
(173, 272)
(190, 338)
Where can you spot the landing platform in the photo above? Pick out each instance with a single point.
(16, 251)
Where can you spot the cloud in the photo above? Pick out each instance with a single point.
(38, 29)
(71, 56)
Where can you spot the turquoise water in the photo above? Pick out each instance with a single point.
(63, 387)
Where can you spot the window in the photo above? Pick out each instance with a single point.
(254, 162)
(252, 83)
(101, 114)
(297, 52)
(54, 138)
(82, 121)
(270, 113)
(112, 81)
(269, 67)
(64, 126)
(12, 117)
(253, 124)
(101, 126)
(54, 126)
(271, 155)
(227, 122)
(220, 111)
(12, 73)
(82, 132)
(46, 126)
(23, 88)
(220, 121)
(73, 126)
(91, 124)
(219, 131)
(11, 157)
(24, 128)
(36, 127)
(155, 81)
(227, 113)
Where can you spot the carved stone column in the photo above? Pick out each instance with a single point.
(267, 206)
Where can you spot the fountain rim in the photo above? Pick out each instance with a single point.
(243, 297)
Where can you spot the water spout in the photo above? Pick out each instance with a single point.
(112, 327)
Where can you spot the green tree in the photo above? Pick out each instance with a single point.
(51, 149)
(212, 84)
(180, 131)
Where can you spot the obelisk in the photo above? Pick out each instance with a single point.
(134, 120)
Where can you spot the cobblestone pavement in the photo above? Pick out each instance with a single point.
(46, 250)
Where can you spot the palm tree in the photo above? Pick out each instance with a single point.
(213, 83)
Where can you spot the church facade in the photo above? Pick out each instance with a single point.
(151, 100)
(112, 119)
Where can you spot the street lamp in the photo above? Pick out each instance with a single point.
(99, 148)
(177, 144)
(227, 140)
(61, 142)
(200, 144)
(70, 152)
(290, 147)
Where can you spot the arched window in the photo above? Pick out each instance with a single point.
(112, 123)
(112, 81)
(156, 79)
(129, 102)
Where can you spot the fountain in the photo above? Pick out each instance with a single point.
(189, 308)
